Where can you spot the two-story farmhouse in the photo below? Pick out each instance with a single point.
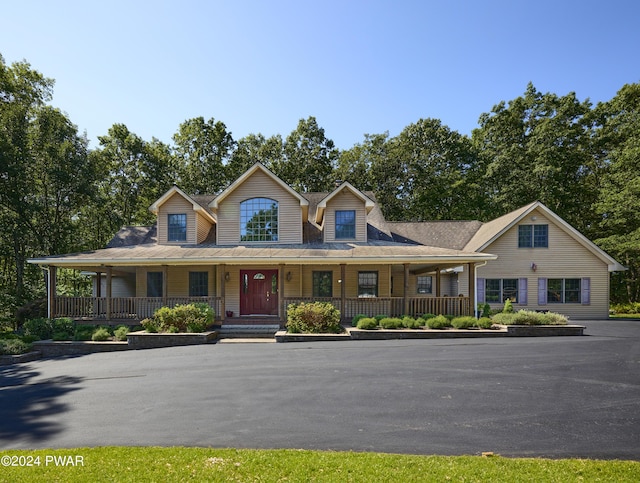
(258, 246)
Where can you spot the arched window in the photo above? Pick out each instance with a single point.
(259, 220)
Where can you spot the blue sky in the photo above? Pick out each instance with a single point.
(357, 66)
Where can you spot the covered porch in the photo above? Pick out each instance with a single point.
(241, 293)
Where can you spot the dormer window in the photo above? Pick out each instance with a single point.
(345, 224)
(177, 231)
(259, 220)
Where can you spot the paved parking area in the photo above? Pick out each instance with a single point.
(548, 397)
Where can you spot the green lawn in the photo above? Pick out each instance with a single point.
(141, 464)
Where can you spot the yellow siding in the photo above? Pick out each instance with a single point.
(398, 284)
(565, 258)
(174, 206)
(345, 200)
(177, 279)
(307, 278)
(260, 185)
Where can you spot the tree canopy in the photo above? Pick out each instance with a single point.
(56, 195)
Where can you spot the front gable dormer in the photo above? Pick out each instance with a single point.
(259, 208)
(181, 220)
(342, 214)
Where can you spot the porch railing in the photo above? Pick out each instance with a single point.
(124, 308)
(393, 306)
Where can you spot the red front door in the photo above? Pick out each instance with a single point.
(258, 292)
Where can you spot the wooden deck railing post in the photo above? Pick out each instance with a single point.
(405, 293)
(109, 293)
(51, 291)
(343, 292)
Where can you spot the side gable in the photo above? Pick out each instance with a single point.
(490, 232)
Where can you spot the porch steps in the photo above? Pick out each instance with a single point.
(249, 328)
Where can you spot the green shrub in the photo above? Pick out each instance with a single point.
(121, 332)
(484, 309)
(13, 347)
(368, 323)
(41, 328)
(100, 334)
(391, 323)
(380, 317)
(313, 318)
(181, 318)
(8, 335)
(427, 316)
(528, 317)
(62, 336)
(438, 322)
(508, 307)
(150, 325)
(628, 308)
(503, 318)
(484, 323)
(411, 323)
(83, 332)
(464, 322)
(356, 318)
(554, 318)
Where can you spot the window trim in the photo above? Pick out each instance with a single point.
(275, 237)
(180, 236)
(336, 224)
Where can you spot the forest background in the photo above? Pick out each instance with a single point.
(58, 196)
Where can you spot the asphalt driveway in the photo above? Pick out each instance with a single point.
(547, 397)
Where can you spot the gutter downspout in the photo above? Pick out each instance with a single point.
(475, 286)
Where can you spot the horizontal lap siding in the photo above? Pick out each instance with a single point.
(565, 258)
(176, 205)
(177, 280)
(345, 200)
(203, 226)
(259, 185)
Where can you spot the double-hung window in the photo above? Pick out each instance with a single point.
(533, 236)
(198, 284)
(177, 227)
(323, 284)
(345, 224)
(564, 291)
(154, 284)
(424, 284)
(367, 284)
(497, 290)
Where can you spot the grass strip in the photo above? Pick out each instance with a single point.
(141, 464)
